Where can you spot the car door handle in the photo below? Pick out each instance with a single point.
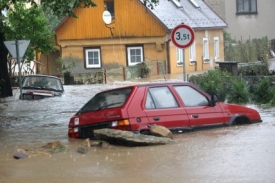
(195, 115)
(156, 118)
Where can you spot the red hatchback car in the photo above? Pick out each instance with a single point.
(174, 105)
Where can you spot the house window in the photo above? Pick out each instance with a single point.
(216, 49)
(134, 55)
(109, 6)
(180, 56)
(92, 58)
(192, 53)
(205, 50)
(246, 6)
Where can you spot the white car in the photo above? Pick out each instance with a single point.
(40, 86)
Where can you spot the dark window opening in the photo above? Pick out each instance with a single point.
(109, 6)
(246, 6)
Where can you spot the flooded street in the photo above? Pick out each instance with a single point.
(227, 154)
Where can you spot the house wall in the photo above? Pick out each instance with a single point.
(138, 28)
(131, 20)
(113, 51)
(218, 6)
(89, 30)
(201, 65)
(243, 27)
(48, 64)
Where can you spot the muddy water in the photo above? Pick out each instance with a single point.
(226, 154)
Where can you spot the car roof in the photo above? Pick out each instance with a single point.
(149, 84)
(41, 75)
(162, 83)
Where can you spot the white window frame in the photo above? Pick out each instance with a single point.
(192, 53)
(216, 49)
(179, 56)
(130, 63)
(97, 50)
(206, 50)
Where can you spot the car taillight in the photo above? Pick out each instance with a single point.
(73, 132)
(121, 124)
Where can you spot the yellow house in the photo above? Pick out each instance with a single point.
(117, 34)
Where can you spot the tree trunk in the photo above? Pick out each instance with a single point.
(5, 84)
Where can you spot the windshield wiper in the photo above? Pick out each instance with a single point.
(108, 105)
(31, 87)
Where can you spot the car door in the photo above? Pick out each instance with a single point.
(162, 108)
(198, 107)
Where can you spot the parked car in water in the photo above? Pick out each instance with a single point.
(174, 105)
(40, 86)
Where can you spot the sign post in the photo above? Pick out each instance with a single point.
(183, 37)
(17, 49)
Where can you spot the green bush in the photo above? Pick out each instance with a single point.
(238, 92)
(214, 82)
(263, 92)
(223, 84)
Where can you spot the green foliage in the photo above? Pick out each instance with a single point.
(223, 84)
(53, 20)
(30, 24)
(238, 92)
(263, 92)
(258, 89)
(253, 69)
(68, 64)
(213, 82)
(144, 70)
(249, 51)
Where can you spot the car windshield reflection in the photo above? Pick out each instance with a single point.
(42, 83)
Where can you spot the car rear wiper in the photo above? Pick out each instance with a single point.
(108, 105)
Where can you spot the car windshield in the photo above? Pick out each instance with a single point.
(108, 99)
(42, 82)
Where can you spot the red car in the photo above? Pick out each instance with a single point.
(174, 105)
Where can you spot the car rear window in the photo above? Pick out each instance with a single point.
(108, 99)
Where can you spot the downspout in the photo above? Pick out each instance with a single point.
(168, 56)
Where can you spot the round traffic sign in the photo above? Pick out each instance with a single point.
(183, 36)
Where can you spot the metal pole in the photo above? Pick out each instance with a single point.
(184, 65)
(19, 68)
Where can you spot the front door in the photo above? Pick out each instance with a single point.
(198, 107)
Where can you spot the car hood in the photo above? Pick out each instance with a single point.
(234, 109)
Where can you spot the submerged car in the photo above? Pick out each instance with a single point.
(40, 86)
(174, 105)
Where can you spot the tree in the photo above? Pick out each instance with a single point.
(58, 7)
(30, 24)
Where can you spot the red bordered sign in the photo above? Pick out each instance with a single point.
(183, 36)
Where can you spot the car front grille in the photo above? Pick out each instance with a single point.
(32, 97)
(88, 131)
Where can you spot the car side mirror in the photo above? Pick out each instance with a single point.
(213, 100)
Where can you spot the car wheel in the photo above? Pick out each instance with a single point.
(241, 120)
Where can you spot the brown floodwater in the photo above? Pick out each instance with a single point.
(225, 154)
